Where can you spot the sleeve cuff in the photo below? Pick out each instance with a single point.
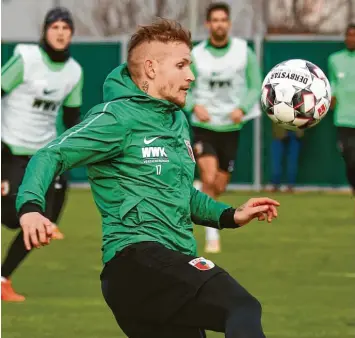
(226, 220)
(30, 207)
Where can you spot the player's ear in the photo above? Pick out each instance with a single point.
(149, 68)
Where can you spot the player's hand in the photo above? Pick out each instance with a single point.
(237, 115)
(37, 229)
(201, 113)
(262, 208)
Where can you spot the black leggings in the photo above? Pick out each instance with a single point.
(12, 171)
(154, 292)
(347, 147)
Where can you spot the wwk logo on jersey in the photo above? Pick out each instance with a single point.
(149, 152)
(153, 154)
(202, 264)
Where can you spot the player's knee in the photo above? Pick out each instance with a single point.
(208, 179)
(244, 319)
(219, 188)
(255, 307)
(251, 306)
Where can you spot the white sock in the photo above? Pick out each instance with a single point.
(212, 234)
(3, 279)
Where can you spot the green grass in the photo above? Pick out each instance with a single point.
(301, 268)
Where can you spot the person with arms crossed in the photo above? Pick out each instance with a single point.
(227, 87)
(341, 68)
(35, 83)
(140, 162)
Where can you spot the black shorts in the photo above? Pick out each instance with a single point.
(156, 292)
(223, 145)
(13, 168)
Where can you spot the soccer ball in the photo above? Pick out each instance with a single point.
(296, 94)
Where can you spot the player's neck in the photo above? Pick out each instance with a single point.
(147, 87)
(55, 55)
(219, 44)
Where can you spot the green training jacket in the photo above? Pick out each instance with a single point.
(140, 167)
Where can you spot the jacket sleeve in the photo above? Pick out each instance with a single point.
(99, 137)
(205, 210)
(253, 75)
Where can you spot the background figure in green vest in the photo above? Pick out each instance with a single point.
(227, 87)
(36, 83)
(342, 79)
(285, 143)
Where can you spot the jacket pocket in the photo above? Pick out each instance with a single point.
(129, 211)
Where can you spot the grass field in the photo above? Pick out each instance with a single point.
(301, 267)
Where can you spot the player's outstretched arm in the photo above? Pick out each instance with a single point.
(205, 210)
(208, 212)
(99, 137)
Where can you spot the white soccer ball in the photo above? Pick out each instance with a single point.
(296, 94)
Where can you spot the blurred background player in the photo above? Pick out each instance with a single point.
(342, 79)
(226, 88)
(35, 83)
(285, 143)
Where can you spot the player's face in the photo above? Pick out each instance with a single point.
(350, 39)
(173, 73)
(218, 25)
(59, 35)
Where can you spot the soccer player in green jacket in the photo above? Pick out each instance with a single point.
(140, 163)
(341, 67)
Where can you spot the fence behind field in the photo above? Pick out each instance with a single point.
(320, 161)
